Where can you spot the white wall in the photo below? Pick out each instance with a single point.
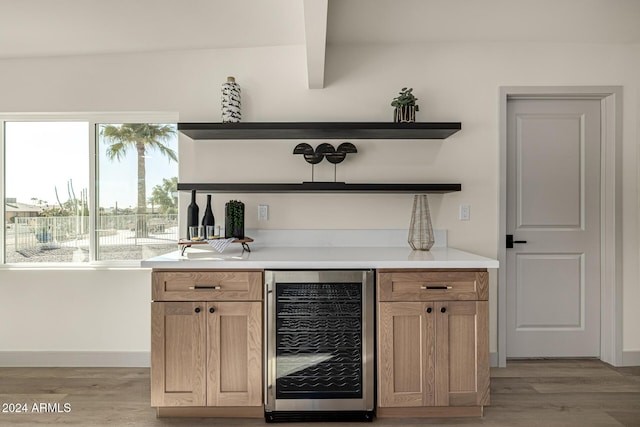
(453, 81)
(69, 312)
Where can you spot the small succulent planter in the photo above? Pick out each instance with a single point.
(234, 219)
(405, 103)
(405, 114)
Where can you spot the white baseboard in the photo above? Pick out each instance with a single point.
(631, 358)
(120, 359)
(493, 359)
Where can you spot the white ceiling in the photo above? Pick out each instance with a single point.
(31, 28)
(420, 21)
(77, 27)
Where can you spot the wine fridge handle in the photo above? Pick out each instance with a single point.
(268, 292)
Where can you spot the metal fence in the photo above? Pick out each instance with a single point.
(73, 231)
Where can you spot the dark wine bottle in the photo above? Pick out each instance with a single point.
(192, 213)
(208, 218)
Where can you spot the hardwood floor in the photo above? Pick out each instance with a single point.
(526, 393)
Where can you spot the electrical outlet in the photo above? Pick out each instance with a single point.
(263, 212)
(465, 212)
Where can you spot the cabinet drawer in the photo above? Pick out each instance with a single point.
(432, 285)
(207, 285)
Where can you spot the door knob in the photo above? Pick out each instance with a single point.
(212, 310)
(443, 310)
(428, 309)
(510, 241)
(197, 310)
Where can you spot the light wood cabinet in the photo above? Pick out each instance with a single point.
(432, 285)
(406, 344)
(234, 354)
(206, 356)
(207, 285)
(433, 354)
(178, 354)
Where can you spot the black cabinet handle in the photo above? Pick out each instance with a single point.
(428, 309)
(197, 310)
(443, 310)
(212, 310)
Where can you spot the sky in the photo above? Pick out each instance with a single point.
(40, 156)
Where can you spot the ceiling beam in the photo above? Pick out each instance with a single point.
(315, 31)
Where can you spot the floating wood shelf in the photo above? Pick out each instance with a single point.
(319, 187)
(319, 130)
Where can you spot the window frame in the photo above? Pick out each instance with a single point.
(93, 119)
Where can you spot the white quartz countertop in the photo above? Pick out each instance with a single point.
(320, 258)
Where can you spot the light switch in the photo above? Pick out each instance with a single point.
(465, 212)
(263, 212)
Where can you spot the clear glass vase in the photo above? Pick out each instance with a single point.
(420, 229)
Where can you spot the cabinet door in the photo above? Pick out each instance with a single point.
(234, 354)
(406, 357)
(178, 354)
(462, 353)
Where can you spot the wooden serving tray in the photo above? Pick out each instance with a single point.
(184, 244)
(200, 242)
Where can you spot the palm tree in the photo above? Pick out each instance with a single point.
(164, 196)
(143, 137)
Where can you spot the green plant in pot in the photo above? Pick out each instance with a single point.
(406, 106)
(234, 219)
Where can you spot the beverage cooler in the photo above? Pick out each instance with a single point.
(319, 335)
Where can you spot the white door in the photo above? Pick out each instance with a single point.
(553, 204)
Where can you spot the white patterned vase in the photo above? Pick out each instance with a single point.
(420, 230)
(404, 114)
(231, 101)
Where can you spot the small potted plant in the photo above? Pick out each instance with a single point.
(406, 107)
(234, 219)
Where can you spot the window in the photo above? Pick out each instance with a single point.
(47, 176)
(52, 212)
(137, 197)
